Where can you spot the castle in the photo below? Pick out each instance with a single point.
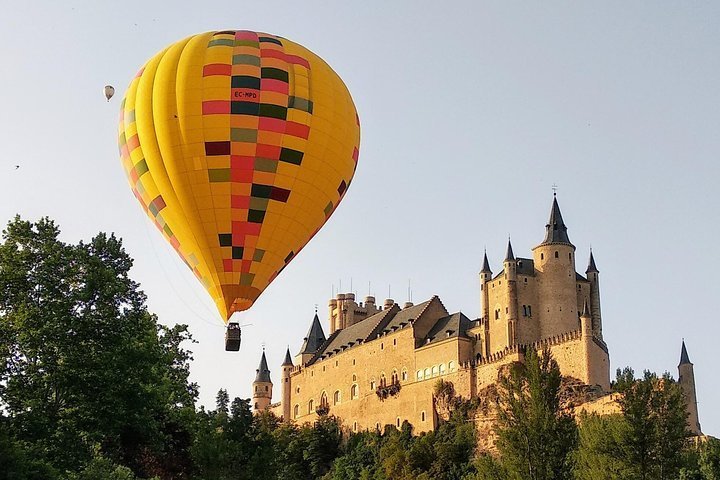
(379, 364)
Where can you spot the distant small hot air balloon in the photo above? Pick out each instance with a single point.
(239, 146)
(109, 91)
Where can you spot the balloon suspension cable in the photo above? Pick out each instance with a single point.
(169, 281)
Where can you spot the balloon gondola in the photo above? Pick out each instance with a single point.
(239, 146)
(233, 336)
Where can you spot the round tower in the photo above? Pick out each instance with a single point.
(686, 379)
(554, 261)
(593, 277)
(485, 277)
(262, 386)
(510, 266)
(286, 387)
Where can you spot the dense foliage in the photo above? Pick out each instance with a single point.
(92, 387)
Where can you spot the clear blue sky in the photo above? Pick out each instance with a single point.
(469, 113)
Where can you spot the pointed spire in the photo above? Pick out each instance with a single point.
(586, 310)
(315, 337)
(288, 359)
(555, 230)
(486, 264)
(509, 257)
(684, 359)
(591, 264)
(263, 372)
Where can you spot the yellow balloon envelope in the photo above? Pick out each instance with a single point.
(239, 146)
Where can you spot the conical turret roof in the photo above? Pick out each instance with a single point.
(586, 310)
(684, 359)
(263, 372)
(591, 264)
(555, 230)
(509, 256)
(314, 338)
(288, 359)
(486, 264)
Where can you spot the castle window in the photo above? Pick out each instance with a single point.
(427, 373)
(556, 254)
(256, 406)
(354, 391)
(296, 411)
(394, 341)
(524, 310)
(310, 406)
(529, 311)
(497, 314)
(354, 426)
(422, 416)
(382, 346)
(434, 370)
(525, 279)
(324, 400)
(353, 361)
(451, 366)
(336, 363)
(397, 422)
(354, 377)
(297, 390)
(478, 357)
(570, 256)
(372, 384)
(256, 388)
(506, 309)
(323, 368)
(419, 375)
(404, 375)
(336, 397)
(383, 382)
(542, 256)
(442, 369)
(266, 388)
(377, 427)
(312, 373)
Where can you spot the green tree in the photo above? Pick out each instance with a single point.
(600, 449)
(654, 412)
(535, 437)
(83, 362)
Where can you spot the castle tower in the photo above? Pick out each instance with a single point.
(510, 266)
(686, 378)
(262, 386)
(286, 388)
(485, 277)
(554, 261)
(592, 274)
(312, 342)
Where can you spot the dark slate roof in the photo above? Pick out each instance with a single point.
(288, 358)
(509, 257)
(486, 264)
(315, 337)
(580, 278)
(263, 372)
(591, 265)
(454, 325)
(355, 334)
(526, 266)
(684, 359)
(555, 230)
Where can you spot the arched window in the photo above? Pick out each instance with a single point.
(497, 314)
(451, 366)
(394, 377)
(354, 378)
(404, 375)
(434, 370)
(372, 384)
(336, 397)
(442, 369)
(542, 256)
(256, 406)
(422, 416)
(427, 373)
(354, 391)
(556, 254)
(310, 406)
(419, 375)
(296, 411)
(324, 400)
(382, 380)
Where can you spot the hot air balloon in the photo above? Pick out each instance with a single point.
(109, 91)
(239, 146)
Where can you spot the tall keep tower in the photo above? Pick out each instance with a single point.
(686, 378)
(554, 260)
(262, 386)
(286, 387)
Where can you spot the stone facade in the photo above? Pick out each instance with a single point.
(379, 365)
